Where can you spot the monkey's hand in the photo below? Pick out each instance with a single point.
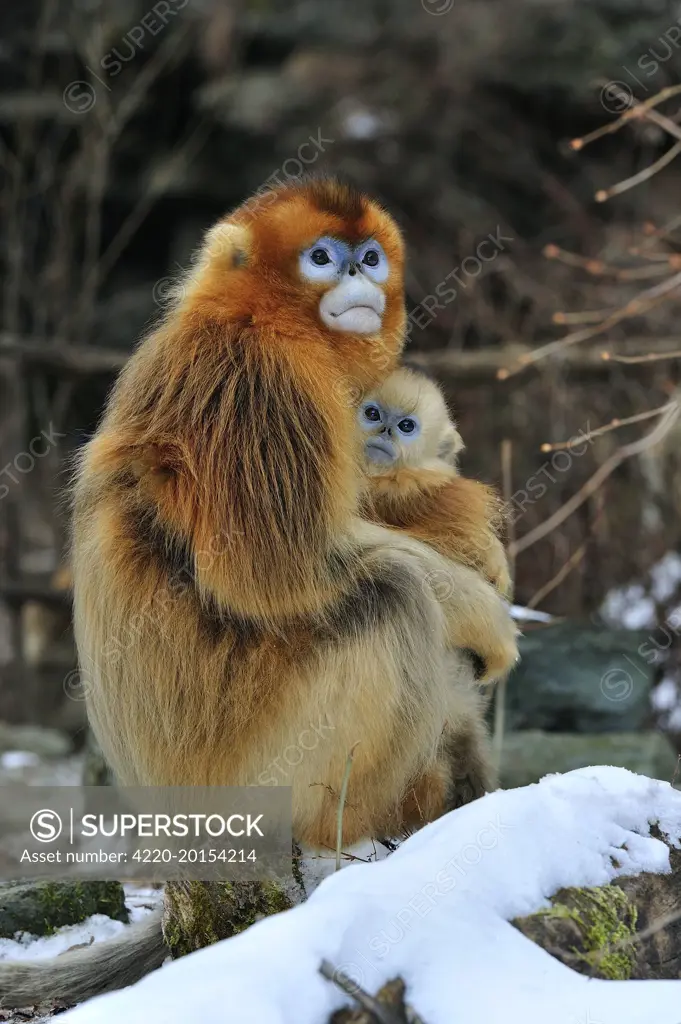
(478, 620)
(476, 617)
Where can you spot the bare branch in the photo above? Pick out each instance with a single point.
(649, 357)
(82, 359)
(587, 316)
(614, 424)
(598, 268)
(641, 304)
(564, 571)
(502, 684)
(341, 806)
(598, 478)
(631, 114)
(623, 186)
(381, 1013)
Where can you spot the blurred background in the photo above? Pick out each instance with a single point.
(127, 128)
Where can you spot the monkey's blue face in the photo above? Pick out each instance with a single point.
(390, 430)
(354, 300)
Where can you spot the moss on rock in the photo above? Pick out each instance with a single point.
(42, 907)
(197, 914)
(596, 925)
(607, 922)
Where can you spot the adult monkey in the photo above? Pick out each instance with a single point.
(217, 510)
(220, 495)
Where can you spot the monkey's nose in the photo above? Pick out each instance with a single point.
(352, 270)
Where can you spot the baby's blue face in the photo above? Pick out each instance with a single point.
(389, 431)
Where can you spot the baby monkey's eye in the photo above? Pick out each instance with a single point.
(320, 257)
(407, 426)
(372, 413)
(371, 258)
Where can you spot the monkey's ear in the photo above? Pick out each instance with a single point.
(226, 245)
(450, 445)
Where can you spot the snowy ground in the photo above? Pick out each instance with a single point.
(139, 901)
(436, 912)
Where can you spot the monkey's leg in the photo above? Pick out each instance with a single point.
(463, 773)
(463, 768)
(427, 798)
(466, 747)
(470, 767)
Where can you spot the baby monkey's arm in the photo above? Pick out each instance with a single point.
(460, 518)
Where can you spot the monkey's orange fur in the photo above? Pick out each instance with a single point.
(227, 593)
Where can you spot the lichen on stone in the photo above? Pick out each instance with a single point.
(198, 914)
(606, 919)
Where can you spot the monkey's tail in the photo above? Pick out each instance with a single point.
(85, 973)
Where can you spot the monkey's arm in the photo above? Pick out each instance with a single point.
(477, 619)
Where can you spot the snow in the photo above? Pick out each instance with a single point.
(634, 606)
(665, 696)
(436, 912)
(363, 124)
(521, 614)
(25, 946)
(96, 928)
(317, 865)
(13, 760)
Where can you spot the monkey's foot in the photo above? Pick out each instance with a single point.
(465, 790)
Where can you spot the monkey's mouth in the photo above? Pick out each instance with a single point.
(380, 450)
(359, 319)
(355, 305)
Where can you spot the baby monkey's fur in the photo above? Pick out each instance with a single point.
(413, 480)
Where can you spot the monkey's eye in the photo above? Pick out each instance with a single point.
(407, 425)
(322, 261)
(372, 414)
(374, 261)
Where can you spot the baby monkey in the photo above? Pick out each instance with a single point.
(411, 446)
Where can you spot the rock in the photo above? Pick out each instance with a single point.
(603, 931)
(573, 676)
(530, 754)
(197, 914)
(40, 907)
(34, 740)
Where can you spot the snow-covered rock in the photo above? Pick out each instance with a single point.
(436, 913)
